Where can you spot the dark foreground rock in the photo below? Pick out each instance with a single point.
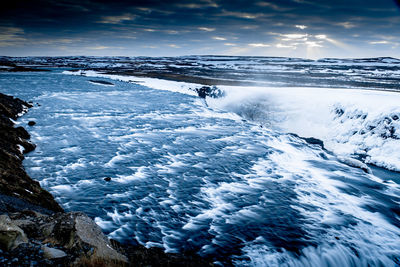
(34, 229)
(14, 143)
(73, 239)
(61, 239)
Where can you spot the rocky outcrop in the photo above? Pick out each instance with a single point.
(210, 91)
(14, 181)
(61, 239)
(101, 82)
(11, 236)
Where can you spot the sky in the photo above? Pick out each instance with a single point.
(293, 28)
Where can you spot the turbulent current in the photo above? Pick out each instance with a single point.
(188, 177)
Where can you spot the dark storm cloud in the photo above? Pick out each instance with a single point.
(198, 27)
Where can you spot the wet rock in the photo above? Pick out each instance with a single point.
(10, 234)
(90, 233)
(310, 140)
(314, 141)
(28, 146)
(211, 91)
(339, 112)
(31, 123)
(53, 253)
(101, 82)
(13, 179)
(77, 232)
(107, 179)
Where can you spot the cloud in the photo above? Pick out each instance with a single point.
(302, 27)
(314, 44)
(273, 6)
(321, 36)
(238, 50)
(249, 27)
(379, 42)
(279, 45)
(242, 15)
(55, 41)
(198, 5)
(11, 36)
(150, 46)
(117, 19)
(259, 45)
(219, 38)
(292, 36)
(172, 32)
(346, 25)
(98, 47)
(206, 29)
(174, 46)
(229, 44)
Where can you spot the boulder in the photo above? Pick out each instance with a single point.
(75, 231)
(211, 91)
(53, 253)
(10, 234)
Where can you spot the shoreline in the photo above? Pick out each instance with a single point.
(33, 223)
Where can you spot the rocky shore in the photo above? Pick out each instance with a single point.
(36, 231)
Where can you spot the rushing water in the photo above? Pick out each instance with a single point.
(187, 177)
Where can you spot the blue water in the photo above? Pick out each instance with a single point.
(185, 177)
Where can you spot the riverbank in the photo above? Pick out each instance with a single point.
(36, 231)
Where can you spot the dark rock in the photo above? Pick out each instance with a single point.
(141, 256)
(21, 132)
(14, 204)
(25, 69)
(31, 123)
(28, 146)
(387, 120)
(74, 233)
(14, 181)
(314, 141)
(53, 253)
(213, 92)
(311, 140)
(339, 112)
(11, 235)
(107, 179)
(101, 82)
